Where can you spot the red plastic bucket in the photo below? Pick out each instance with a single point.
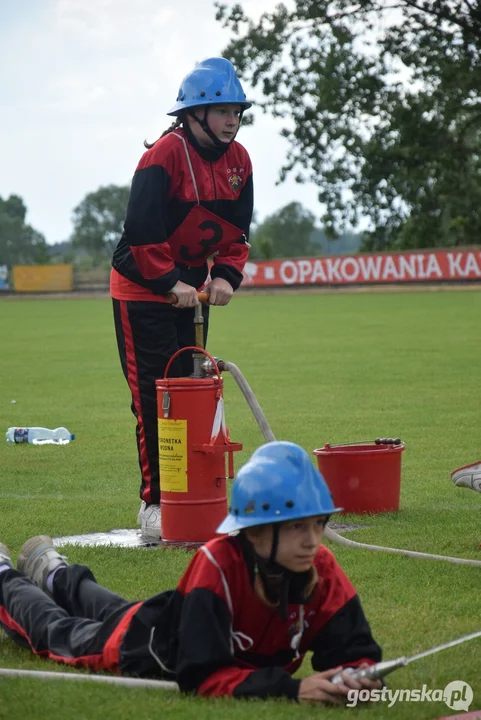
(362, 478)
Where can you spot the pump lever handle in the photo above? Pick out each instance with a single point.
(201, 294)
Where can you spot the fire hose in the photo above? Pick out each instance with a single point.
(381, 669)
(330, 534)
(105, 679)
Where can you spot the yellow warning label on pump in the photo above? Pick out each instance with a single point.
(173, 455)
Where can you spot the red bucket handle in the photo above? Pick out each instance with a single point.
(197, 349)
(391, 442)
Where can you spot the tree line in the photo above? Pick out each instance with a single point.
(97, 224)
(381, 104)
(291, 231)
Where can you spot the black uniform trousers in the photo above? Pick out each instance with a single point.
(74, 627)
(148, 334)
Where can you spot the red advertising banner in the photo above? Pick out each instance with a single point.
(365, 269)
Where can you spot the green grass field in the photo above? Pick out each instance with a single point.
(325, 368)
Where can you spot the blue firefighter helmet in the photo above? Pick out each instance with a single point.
(211, 82)
(278, 483)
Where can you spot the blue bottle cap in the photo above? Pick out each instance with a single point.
(72, 437)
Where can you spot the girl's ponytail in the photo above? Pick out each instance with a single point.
(176, 124)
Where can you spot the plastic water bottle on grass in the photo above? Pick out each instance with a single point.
(39, 435)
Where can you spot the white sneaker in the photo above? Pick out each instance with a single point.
(5, 558)
(149, 520)
(141, 510)
(38, 558)
(468, 476)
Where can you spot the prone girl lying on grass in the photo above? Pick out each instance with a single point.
(243, 615)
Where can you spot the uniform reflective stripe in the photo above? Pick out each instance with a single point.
(189, 163)
(133, 382)
(238, 637)
(223, 577)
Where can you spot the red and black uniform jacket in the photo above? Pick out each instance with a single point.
(215, 636)
(162, 195)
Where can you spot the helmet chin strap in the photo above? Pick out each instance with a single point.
(275, 542)
(203, 122)
(278, 580)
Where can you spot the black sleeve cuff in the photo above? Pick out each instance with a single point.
(292, 688)
(227, 272)
(268, 682)
(162, 285)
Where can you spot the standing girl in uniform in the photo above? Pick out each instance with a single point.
(191, 197)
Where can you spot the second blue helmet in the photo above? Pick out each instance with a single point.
(278, 483)
(211, 82)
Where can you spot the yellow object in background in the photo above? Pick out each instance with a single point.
(42, 278)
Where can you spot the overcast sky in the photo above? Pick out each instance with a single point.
(83, 82)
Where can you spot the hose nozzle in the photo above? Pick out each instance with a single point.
(373, 672)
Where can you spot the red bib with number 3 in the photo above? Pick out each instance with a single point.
(201, 234)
